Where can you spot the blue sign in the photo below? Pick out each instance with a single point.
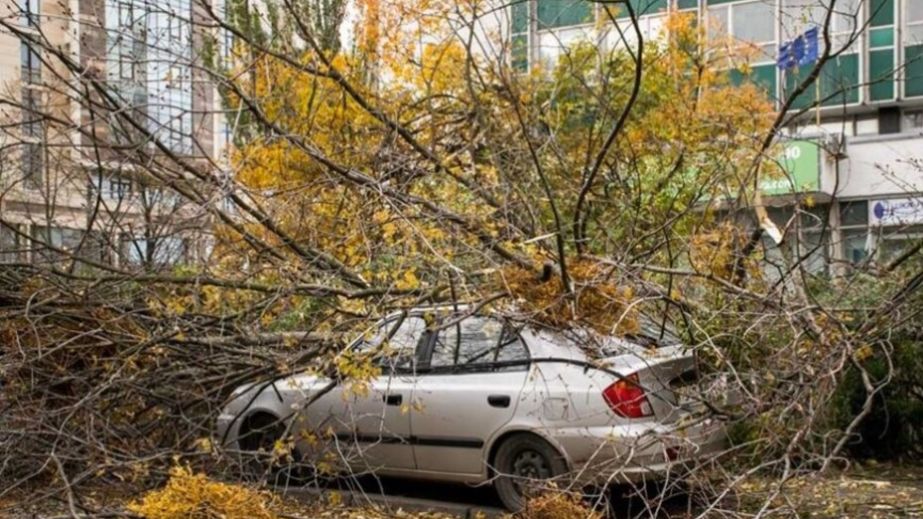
(800, 51)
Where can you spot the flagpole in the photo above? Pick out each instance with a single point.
(817, 98)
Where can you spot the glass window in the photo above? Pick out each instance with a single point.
(159, 251)
(913, 48)
(812, 247)
(398, 338)
(476, 341)
(52, 244)
(9, 243)
(31, 65)
(718, 21)
(520, 52)
(31, 112)
(882, 12)
(33, 160)
(856, 245)
(745, 29)
(854, 213)
(30, 13)
(560, 13)
(119, 188)
(651, 27)
(737, 20)
(913, 119)
(892, 245)
(111, 186)
(914, 13)
(519, 17)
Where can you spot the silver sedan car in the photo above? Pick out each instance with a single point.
(471, 397)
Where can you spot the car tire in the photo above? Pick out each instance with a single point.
(257, 440)
(520, 459)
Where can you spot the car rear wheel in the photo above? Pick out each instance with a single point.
(525, 465)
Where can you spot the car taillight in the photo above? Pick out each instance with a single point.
(626, 397)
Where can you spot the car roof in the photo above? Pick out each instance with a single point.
(652, 333)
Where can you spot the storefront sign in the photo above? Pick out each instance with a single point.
(800, 160)
(896, 211)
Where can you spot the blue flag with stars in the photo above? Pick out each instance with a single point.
(800, 51)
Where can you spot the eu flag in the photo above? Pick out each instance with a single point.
(800, 51)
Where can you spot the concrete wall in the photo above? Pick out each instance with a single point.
(882, 166)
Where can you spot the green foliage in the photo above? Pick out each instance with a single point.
(894, 428)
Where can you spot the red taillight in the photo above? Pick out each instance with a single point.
(626, 397)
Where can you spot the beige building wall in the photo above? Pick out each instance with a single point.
(83, 186)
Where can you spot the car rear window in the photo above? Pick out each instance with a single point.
(657, 330)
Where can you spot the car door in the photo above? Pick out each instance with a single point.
(468, 385)
(368, 419)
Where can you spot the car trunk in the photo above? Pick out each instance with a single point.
(669, 377)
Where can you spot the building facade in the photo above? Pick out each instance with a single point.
(75, 176)
(862, 165)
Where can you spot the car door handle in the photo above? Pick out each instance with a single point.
(394, 399)
(498, 400)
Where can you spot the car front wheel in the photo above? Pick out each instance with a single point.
(525, 465)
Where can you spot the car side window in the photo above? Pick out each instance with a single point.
(476, 342)
(398, 338)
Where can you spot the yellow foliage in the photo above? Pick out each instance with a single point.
(716, 252)
(195, 496)
(557, 505)
(598, 301)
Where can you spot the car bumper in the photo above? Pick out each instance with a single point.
(639, 452)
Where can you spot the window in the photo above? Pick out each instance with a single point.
(32, 163)
(398, 338)
(882, 56)
(154, 251)
(31, 65)
(31, 113)
(651, 27)
(736, 20)
(519, 28)
(913, 48)
(553, 44)
(10, 248)
(53, 244)
(477, 341)
(112, 187)
(913, 119)
(561, 13)
(30, 13)
(914, 17)
(119, 188)
(894, 242)
(854, 235)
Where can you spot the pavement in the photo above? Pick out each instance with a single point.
(410, 495)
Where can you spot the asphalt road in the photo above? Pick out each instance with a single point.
(459, 499)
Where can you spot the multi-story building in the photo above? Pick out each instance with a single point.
(862, 164)
(75, 175)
